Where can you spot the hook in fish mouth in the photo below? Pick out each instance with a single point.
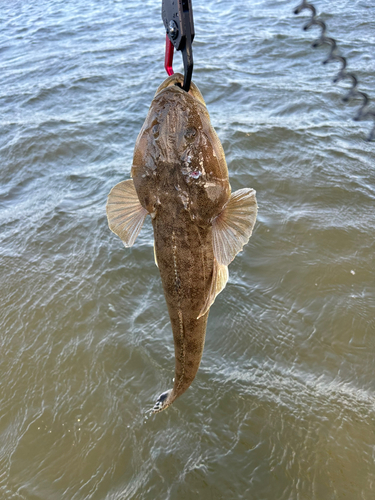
(160, 404)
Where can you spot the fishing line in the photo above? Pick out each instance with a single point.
(363, 113)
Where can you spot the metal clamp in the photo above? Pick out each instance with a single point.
(177, 17)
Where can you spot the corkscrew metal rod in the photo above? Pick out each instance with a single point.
(364, 112)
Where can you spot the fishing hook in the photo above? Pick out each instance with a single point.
(363, 113)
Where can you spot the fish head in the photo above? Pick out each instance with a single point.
(178, 157)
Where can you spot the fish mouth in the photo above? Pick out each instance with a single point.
(176, 78)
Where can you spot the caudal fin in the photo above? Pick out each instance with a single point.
(162, 402)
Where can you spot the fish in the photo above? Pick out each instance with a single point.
(179, 177)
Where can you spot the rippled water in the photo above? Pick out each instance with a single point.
(283, 404)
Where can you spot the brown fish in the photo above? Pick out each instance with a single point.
(180, 178)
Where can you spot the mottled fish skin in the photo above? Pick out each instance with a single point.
(181, 179)
(179, 159)
(185, 259)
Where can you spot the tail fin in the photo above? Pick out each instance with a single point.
(162, 402)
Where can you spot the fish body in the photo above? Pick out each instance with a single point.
(180, 178)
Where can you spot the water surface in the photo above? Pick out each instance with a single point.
(283, 404)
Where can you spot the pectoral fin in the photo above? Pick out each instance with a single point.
(232, 228)
(219, 280)
(124, 212)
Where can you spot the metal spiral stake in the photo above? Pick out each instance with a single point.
(364, 112)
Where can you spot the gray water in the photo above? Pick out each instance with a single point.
(283, 406)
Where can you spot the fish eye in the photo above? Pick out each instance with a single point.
(155, 130)
(190, 133)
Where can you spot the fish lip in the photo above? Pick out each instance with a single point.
(199, 103)
(171, 88)
(171, 83)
